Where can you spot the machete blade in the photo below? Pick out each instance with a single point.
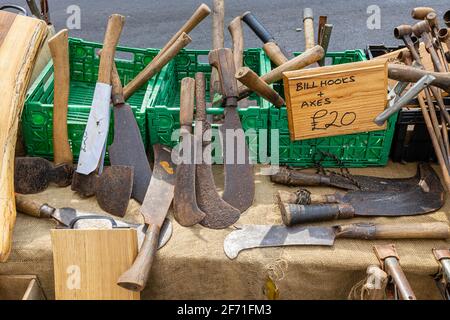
(263, 236)
(128, 150)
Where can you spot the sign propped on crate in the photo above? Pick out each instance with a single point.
(335, 100)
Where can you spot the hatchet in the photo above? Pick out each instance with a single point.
(34, 174)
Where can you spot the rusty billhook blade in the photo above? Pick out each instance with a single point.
(33, 175)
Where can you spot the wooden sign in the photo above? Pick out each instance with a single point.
(87, 263)
(335, 100)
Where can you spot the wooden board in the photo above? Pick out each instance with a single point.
(335, 100)
(20, 40)
(87, 263)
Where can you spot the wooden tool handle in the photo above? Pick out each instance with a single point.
(59, 48)
(420, 13)
(308, 28)
(257, 27)
(218, 23)
(222, 60)
(32, 208)
(187, 102)
(156, 65)
(435, 230)
(294, 178)
(297, 198)
(447, 18)
(198, 16)
(135, 278)
(237, 35)
(200, 83)
(411, 74)
(275, 54)
(113, 31)
(250, 79)
(293, 214)
(117, 89)
(305, 59)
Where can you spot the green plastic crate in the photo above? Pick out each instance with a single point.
(353, 150)
(37, 117)
(163, 113)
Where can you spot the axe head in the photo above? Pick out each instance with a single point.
(33, 175)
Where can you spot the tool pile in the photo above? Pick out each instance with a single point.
(184, 175)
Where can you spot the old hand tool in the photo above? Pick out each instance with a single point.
(398, 286)
(96, 132)
(33, 175)
(186, 210)
(34, 9)
(239, 180)
(127, 148)
(420, 13)
(444, 37)
(261, 236)
(275, 53)
(443, 277)
(72, 218)
(425, 197)
(447, 18)
(218, 25)
(251, 80)
(295, 178)
(308, 28)
(219, 214)
(325, 40)
(154, 209)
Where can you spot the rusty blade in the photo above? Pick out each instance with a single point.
(239, 180)
(160, 192)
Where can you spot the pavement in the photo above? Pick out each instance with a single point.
(151, 23)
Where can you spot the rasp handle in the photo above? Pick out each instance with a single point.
(293, 214)
(257, 27)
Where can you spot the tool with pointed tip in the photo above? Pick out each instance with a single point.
(156, 204)
(264, 236)
(127, 148)
(239, 180)
(425, 197)
(33, 175)
(186, 210)
(219, 214)
(74, 219)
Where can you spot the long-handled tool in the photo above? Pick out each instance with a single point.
(410, 74)
(219, 214)
(272, 49)
(33, 175)
(425, 197)
(186, 211)
(74, 219)
(239, 180)
(444, 37)
(218, 22)
(154, 209)
(443, 277)
(127, 148)
(263, 236)
(308, 28)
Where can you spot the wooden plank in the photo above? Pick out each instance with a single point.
(335, 100)
(21, 37)
(87, 263)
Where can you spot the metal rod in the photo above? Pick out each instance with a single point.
(401, 282)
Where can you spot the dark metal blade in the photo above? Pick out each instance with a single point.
(263, 236)
(128, 150)
(239, 178)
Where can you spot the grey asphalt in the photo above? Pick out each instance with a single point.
(151, 23)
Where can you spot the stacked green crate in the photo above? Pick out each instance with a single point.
(353, 150)
(163, 113)
(37, 118)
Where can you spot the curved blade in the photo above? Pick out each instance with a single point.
(128, 150)
(263, 236)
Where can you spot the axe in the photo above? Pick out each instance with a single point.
(33, 175)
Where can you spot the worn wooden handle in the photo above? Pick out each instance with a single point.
(113, 31)
(237, 35)
(218, 17)
(198, 16)
(30, 207)
(295, 198)
(187, 102)
(411, 74)
(222, 60)
(250, 79)
(308, 28)
(305, 59)
(135, 278)
(156, 65)
(294, 178)
(59, 48)
(435, 230)
(117, 89)
(200, 83)
(275, 54)
(421, 13)
(293, 214)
